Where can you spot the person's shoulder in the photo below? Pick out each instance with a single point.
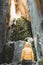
(24, 49)
(30, 49)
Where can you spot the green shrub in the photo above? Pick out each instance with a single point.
(41, 62)
(21, 30)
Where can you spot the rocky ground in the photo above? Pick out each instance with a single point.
(9, 64)
(15, 63)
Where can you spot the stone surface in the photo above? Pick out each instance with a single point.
(19, 45)
(36, 24)
(2, 29)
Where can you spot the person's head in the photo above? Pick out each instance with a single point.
(27, 44)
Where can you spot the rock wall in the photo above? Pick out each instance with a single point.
(36, 20)
(35, 23)
(2, 29)
(19, 45)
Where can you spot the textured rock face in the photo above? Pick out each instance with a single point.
(2, 30)
(19, 45)
(36, 24)
(34, 13)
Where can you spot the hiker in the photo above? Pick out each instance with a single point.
(27, 56)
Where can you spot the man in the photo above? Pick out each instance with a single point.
(27, 56)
